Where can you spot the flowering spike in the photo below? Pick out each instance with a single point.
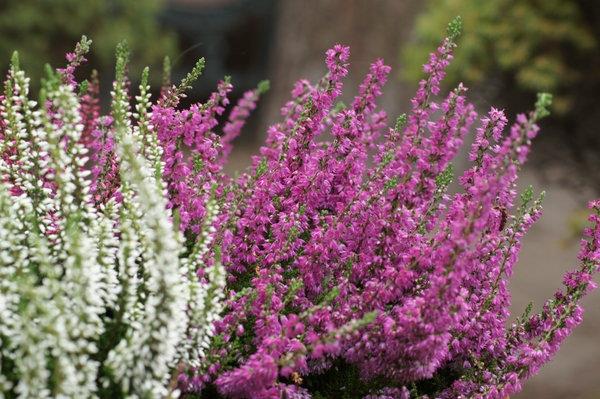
(192, 76)
(238, 117)
(166, 72)
(122, 56)
(542, 105)
(14, 61)
(144, 78)
(455, 28)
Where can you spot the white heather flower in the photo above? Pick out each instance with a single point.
(204, 304)
(91, 294)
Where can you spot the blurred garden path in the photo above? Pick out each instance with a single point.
(548, 251)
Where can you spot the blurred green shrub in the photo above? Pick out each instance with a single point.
(44, 30)
(532, 45)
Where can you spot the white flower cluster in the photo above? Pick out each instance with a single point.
(95, 301)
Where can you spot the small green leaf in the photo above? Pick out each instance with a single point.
(263, 87)
(444, 179)
(391, 183)
(83, 87)
(261, 169)
(339, 106)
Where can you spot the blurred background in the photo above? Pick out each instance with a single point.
(509, 50)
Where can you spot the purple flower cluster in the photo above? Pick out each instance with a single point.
(350, 263)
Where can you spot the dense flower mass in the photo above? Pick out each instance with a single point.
(96, 294)
(349, 269)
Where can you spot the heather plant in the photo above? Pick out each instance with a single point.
(352, 270)
(95, 300)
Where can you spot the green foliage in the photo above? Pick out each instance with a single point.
(42, 31)
(262, 167)
(342, 381)
(263, 87)
(542, 105)
(400, 122)
(443, 180)
(540, 45)
(454, 28)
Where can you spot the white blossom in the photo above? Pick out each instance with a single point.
(92, 293)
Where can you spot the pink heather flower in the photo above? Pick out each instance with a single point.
(238, 117)
(191, 154)
(388, 240)
(90, 110)
(257, 378)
